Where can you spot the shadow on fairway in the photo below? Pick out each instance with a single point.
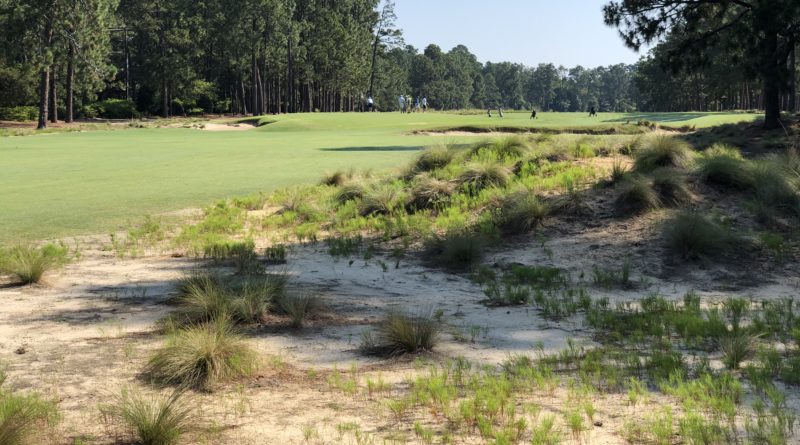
(392, 148)
(658, 117)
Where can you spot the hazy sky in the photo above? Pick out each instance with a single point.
(564, 32)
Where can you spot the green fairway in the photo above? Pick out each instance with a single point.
(77, 183)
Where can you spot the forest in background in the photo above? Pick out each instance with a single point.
(64, 59)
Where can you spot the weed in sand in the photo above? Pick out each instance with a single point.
(692, 235)
(663, 151)
(400, 333)
(24, 418)
(456, 250)
(736, 348)
(671, 188)
(521, 212)
(298, 307)
(636, 195)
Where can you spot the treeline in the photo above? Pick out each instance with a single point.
(123, 58)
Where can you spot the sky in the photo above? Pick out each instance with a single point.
(562, 32)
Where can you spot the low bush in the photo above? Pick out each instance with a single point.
(456, 250)
(201, 356)
(723, 165)
(19, 114)
(402, 333)
(110, 109)
(151, 420)
(663, 151)
(481, 175)
(636, 195)
(521, 212)
(693, 236)
(28, 263)
(671, 187)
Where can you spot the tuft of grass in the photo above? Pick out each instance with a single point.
(381, 199)
(509, 147)
(692, 236)
(151, 420)
(203, 297)
(521, 212)
(28, 263)
(298, 307)
(349, 192)
(456, 250)
(737, 347)
(723, 165)
(482, 175)
(663, 151)
(403, 333)
(671, 188)
(428, 192)
(774, 191)
(22, 417)
(618, 172)
(201, 356)
(336, 178)
(434, 158)
(635, 196)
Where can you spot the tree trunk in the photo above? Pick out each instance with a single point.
(53, 98)
(164, 97)
(70, 79)
(772, 84)
(44, 91)
(793, 77)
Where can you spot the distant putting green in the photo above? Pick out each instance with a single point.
(64, 184)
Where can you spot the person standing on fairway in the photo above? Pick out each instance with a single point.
(489, 112)
(533, 113)
(416, 105)
(500, 111)
(401, 102)
(592, 112)
(370, 104)
(424, 104)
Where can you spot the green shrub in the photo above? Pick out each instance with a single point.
(478, 176)
(663, 151)
(28, 263)
(201, 356)
(428, 192)
(691, 235)
(671, 188)
(521, 212)
(723, 165)
(456, 250)
(636, 195)
(203, 297)
(111, 109)
(402, 333)
(19, 114)
(22, 418)
(151, 420)
(434, 158)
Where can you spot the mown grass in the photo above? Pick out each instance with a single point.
(154, 170)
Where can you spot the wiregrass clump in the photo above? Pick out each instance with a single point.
(508, 147)
(663, 151)
(434, 158)
(23, 418)
(482, 175)
(298, 307)
(151, 419)
(401, 333)
(381, 199)
(428, 192)
(694, 236)
(202, 356)
(28, 263)
(521, 212)
(349, 192)
(723, 165)
(671, 187)
(636, 195)
(456, 250)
